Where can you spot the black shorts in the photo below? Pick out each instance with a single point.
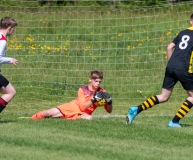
(3, 81)
(172, 76)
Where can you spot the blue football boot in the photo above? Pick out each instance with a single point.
(174, 125)
(131, 115)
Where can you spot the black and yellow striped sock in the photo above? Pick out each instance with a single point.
(150, 102)
(185, 108)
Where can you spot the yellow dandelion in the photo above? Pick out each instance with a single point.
(120, 35)
(168, 33)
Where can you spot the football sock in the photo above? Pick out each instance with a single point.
(38, 115)
(3, 104)
(185, 108)
(150, 102)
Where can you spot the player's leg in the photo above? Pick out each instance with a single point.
(38, 115)
(149, 103)
(7, 90)
(167, 88)
(186, 80)
(86, 116)
(53, 113)
(154, 100)
(184, 109)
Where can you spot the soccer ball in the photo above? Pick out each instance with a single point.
(102, 102)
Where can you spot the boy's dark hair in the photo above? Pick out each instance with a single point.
(95, 74)
(7, 22)
(191, 17)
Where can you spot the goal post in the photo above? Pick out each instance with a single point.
(58, 46)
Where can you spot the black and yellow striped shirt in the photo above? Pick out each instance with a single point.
(183, 53)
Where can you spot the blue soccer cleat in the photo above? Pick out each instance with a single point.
(174, 125)
(131, 115)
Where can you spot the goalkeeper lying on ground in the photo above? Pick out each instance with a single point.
(89, 98)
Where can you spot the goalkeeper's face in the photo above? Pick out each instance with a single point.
(95, 83)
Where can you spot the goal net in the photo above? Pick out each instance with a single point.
(58, 45)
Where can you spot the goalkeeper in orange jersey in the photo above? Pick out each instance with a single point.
(89, 98)
(179, 68)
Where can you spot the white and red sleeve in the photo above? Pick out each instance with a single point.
(3, 59)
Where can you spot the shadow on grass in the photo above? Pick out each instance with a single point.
(183, 125)
(7, 121)
(186, 125)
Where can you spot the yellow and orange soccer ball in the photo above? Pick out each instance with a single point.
(102, 102)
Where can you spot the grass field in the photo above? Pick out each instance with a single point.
(57, 47)
(148, 138)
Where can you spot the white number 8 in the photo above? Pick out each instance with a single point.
(184, 42)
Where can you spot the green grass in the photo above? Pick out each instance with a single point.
(57, 47)
(148, 138)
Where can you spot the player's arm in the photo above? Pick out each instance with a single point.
(86, 105)
(6, 59)
(109, 108)
(83, 104)
(109, 104)
(170, 50)
(2, 48)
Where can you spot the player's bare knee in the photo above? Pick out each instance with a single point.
(47, 113)
(13, 93)
(10, 91)
(88, 117)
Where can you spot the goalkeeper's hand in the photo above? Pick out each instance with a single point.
(97, 97)
(107, 97)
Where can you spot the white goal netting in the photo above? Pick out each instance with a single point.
(57, 46)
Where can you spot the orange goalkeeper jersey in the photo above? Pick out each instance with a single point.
(74, 108)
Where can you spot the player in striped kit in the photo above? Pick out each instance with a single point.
(179, 68)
